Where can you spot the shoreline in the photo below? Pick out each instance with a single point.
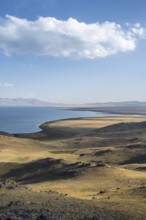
(41, 126)
(57, 129)
(39, 129)
(102, 113)
(108, 111)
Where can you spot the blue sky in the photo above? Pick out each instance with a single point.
(73, 51)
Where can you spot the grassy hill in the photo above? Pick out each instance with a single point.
(87, 168)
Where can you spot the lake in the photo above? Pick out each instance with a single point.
(28, 119)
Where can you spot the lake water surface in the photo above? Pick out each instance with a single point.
(28, 119)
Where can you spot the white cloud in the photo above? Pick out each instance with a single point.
(52, 37)
(138, 30)
(6, 85)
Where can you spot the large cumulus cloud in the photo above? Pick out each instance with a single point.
(51, 37)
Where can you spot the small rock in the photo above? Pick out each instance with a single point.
(101, 191)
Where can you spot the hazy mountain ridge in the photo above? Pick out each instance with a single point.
(124, 103)
(24, 102)
(37, 102)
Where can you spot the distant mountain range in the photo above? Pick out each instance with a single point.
(24, 102)
(37, 102)
(126, 103)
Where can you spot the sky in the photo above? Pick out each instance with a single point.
(73, 51)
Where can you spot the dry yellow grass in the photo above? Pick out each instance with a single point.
(94, 122)
(119, 186)
(113, 181)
